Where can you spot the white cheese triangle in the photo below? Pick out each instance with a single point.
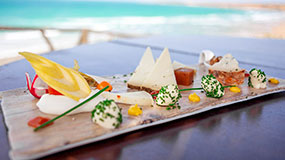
(162, 73)
(143, 69)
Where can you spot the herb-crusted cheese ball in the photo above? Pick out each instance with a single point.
(107, 114)
(168, 95)
(257, 79)
(212, 86)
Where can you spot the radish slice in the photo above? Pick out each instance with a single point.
(38, 87)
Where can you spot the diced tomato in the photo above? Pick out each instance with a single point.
(36, 122)
(53, 91)
(154, 94)
(246, 75)
(103, 84)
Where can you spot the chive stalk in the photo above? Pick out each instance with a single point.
(190, 89)
(70, 110)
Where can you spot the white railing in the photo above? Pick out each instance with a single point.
(83, 39)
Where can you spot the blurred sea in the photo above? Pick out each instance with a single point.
(131, 17)
(125, 17)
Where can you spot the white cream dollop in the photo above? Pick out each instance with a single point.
(168, 95)
(257, 79)
(228, 64)
(212, 86)
(58, 104)
(107, 114)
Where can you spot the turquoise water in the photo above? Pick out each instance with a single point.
(128, 17)
(131, 18)
(46, 13)
(63, 9)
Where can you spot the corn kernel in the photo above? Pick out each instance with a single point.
(194, 97)
(273, 80)
(134, 110)
(235, 89)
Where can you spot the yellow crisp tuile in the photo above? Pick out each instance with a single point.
(65, 80)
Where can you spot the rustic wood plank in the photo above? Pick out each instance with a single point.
(250, 130)
(19, 106)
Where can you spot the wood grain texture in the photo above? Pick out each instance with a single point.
(70, 131)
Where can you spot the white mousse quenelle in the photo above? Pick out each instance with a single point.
(257, 79)
(168, 95)
(140, 97)
(107, 114)
(58, 104)
(212, 86)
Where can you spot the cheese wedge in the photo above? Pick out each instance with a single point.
(162, 73)
(140, 97)
(142, 71)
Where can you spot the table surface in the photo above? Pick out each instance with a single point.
(247, 130)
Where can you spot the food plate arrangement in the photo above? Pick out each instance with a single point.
(134, 101)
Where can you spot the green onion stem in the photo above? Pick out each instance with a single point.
(189, 89)
(70, 110)
(229, 86)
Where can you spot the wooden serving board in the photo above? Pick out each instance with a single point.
(19, 107)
